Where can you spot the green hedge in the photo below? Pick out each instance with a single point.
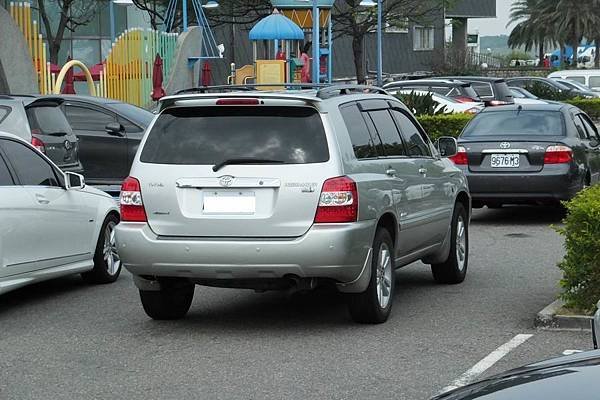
(581, 265)
(444, 125)
(590, 106)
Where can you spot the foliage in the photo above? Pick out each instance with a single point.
(547, 93)
(444, 125)
(581, 264)
(590, 106)
(421, 104)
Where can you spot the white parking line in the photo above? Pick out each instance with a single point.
(487, 362)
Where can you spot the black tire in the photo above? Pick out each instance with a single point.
(172, 301)
(107, 264)
(366, 307)
(453, 270)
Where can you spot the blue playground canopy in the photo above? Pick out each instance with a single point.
(276, 27)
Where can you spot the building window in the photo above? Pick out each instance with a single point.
(424, 38)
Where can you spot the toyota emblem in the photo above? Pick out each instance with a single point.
(505, 145)
(226, 181)
(68, 145)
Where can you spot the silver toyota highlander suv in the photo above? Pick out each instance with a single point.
(288, 190)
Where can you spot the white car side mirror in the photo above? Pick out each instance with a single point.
(74, 181)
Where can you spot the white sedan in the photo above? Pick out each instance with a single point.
(51, 224)
(453, 106)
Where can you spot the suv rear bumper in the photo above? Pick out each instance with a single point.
(335, 251)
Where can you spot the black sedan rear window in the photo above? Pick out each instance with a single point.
(514, 123)
(210, 135)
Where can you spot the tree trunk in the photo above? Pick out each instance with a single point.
(597, 56)
(357, 51)
(541, 54)
(575, 45)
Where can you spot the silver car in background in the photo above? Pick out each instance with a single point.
(271, 191)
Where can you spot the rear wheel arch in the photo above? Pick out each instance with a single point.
(388, 222)
(464, 199)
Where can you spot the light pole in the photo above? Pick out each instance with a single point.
(378, 3)
(316, 43)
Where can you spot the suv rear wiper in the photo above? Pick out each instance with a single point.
(247, 160)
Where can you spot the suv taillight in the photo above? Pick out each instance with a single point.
(338, 201)
(132, 206)
(460, 158)
(38, 144)
(558, 155)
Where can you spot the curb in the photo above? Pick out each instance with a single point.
(549, 319)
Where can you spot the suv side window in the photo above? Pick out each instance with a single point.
(87, 119)
(31, 168)
(361, 139)
(5, 177)
(388, 133)
(417, 146)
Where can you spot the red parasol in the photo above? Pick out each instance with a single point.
(157, 79)
(95, 71)
(69, 88)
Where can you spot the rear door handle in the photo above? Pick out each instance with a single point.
(41, 199)
(391, 172)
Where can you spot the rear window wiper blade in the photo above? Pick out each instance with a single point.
(55, 133)
(247, 160)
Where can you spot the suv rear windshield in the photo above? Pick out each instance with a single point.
(48, 120)
(210, 135)
(513, 123)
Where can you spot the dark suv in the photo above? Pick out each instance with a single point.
(460, 91)
(41, 122)
(492, 91)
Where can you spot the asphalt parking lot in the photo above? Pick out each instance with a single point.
(66, 340)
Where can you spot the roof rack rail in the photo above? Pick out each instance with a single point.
(339, 90)
(249, 87)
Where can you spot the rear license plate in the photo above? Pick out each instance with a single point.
(230, 202)
(505, 161)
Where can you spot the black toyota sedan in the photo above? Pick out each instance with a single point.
(575, 377)
(535, 154)
(109, 134)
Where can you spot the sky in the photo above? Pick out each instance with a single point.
(493, 26)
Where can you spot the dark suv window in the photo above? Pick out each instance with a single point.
(5, 178)
(48, 120)
(31, 168)
(88, 119)
(361, 139)
(415, 144)
(388, 132)
(210, 135)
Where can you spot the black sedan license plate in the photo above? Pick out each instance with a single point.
(505, 161)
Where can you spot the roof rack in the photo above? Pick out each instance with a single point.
(249, 87)
(339, 90)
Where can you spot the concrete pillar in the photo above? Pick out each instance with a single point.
(459, 39)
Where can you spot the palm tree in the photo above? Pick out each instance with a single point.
(532, 28)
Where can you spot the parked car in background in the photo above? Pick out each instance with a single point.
(529, 154)
(492, 91)
(109, 133)
(523, 96)
(460, 91)
(448, 104)
(532, 83)
(52, 223)
(41, 122)
(587, 77)
(272, 191)
(573, 377)
(574, 85)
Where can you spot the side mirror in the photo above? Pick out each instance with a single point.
(115, 129)
(594, 142)
(74, 181)
(447, 146)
